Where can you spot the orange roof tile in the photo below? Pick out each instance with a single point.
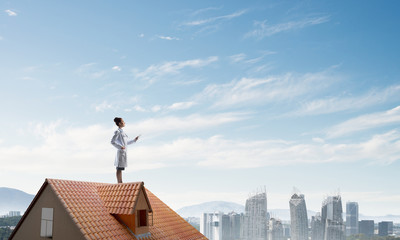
(120, 198)
(91, 204)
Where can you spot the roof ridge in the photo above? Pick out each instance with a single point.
(79, 181)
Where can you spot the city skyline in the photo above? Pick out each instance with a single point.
(227, 96)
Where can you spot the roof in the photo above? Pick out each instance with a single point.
(91, 206)
(121, 198)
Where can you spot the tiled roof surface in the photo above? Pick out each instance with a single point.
(91, 204)
(87, 210)
(168, 224)
(120, 198)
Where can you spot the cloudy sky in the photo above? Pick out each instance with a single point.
(228, 96)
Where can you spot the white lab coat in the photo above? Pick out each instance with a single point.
(119, 140)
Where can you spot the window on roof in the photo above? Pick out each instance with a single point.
(142, 214)
(46, 226)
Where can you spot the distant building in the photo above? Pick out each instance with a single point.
(210, 225)
(14, 213)
(256, 218)
(275, 230)
(351, 218)
(366, 227)
(298, 217)
(220, 226)
(385, 228)
(332, 219)
(317, 227)
(235, 221)
(286, 231)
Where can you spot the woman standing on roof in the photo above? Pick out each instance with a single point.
(120, 141)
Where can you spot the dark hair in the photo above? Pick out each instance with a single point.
(117, 121)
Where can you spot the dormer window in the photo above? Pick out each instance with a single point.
(142, 218)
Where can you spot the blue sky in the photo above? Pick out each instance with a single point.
(228, 96)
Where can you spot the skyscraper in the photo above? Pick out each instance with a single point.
(332, 219)
(210, 225)
(385, 228)
(220, 226)
(255, 219)
(298, 217)
(235, 225)
(317, 227)
(275, 230)
(366, 227)
(351, 218)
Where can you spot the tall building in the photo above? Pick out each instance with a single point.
(351, 218)
(226, 227)
(235, 220)
(332, 219)
(286, 231)
(255, 219)
(275, 229)
(385, 228)
(210, 225)
(366, 227)
(220, 226)
(298, 217)
(317, 227)
(14, 213)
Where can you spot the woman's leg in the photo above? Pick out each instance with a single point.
(119, 176)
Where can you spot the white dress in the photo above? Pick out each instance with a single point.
(119, 140)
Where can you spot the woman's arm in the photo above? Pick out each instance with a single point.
(134, 140)
(114, 141)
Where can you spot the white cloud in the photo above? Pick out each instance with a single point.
(197, 12)
(27, 78)
(116, 68)
(168, 38)
(31, 69)
(11, 13)
(365, 122)
(78, 149)
(190, 123)
(181, 105)
(141, 35)
(264, 30)
(263, 90)
(222, 153)
(60, 151)
(215, 19)
(156, 108)
(138, 109)
(342, 103)
(69, 149)
(156, 72)
(90, 70)
(103, 106)
(238, 57)
(1, 38)
(318, 140)
(188, 82)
